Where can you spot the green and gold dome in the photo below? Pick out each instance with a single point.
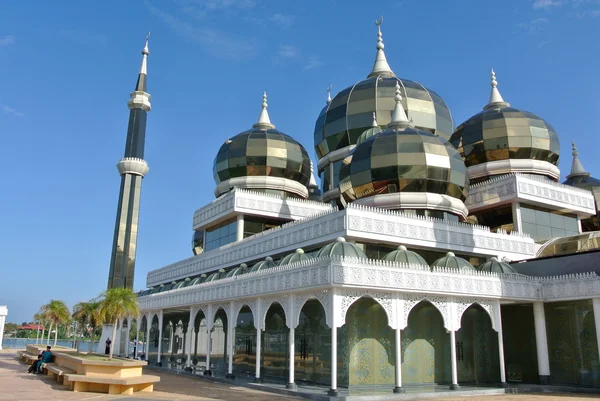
(501, 140)
(405, 168)
(263, 159)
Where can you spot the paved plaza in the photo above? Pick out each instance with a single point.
(17, 385)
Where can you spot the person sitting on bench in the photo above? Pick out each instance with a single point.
(45, 357)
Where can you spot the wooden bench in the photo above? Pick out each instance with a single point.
(57, 372)
(111, 385)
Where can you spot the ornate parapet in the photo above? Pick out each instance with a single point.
(258, 204)
(530, 189)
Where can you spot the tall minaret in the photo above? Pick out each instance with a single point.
(132, 169)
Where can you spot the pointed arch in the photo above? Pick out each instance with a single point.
(440, 303)
(464, 304)
(283, 301)
(302, 299)
(383, 299)
(195, 313)
(240, 305)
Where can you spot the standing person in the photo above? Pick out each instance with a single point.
(107, 348)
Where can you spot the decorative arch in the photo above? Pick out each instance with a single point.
(195, 314)
(440, 303)
(463, 304)
(382, 298)
(282, 300)
(215, 310)
(238, 307)
(301, 299)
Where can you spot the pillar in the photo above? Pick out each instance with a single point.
(398, 388)
(292, 343)
(240, 227)
(136, 350)
(190, 341)
(454, 385)
(127, 337)
(333, 390)
(541, 342)
(3, 313)
(149, 319)
(160, 339)
(257, 378)
(230, 325)
(501, 347)
(516, 214)
(596, 306)
(207, 371)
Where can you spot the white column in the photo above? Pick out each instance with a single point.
(127, 338)
(292, 350)
(257, 378)
(516, 214)
(230, 324)
(596, 306)
(160, 339)
(207, 370)
(579, 225)
(333, 390)
(136, 349)
(501, 347)
(147, 339)
(398, 388)
(541, 342)
(190, 340)
(240, 227)
(3, 314)
(454, 384)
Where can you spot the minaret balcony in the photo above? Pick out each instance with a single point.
(133, 165)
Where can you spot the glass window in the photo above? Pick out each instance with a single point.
(543, 224)
(222, 234)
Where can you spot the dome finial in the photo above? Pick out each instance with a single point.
(328, 94)
(577, 169)
(495, 96)
(140, 86)
(381, 66)
(374, 120)
(399, 119)
(264, 122)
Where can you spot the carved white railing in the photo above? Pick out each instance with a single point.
(257, 203)
(505, 187)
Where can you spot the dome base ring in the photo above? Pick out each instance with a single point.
(416, 200)
(262, 182)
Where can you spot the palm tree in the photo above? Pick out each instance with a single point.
(86, 313)
(56, 312)
(116, 304)
(38, 318)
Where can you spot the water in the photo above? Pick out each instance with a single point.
(84, 346)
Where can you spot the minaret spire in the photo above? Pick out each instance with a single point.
(328, 94)
(381, 66)
(141, 82)
(496, 99)
(577, 169)
(399, 119)
(132, 169)
(264, 122)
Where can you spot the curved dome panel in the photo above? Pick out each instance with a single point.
(351, 111)
(409, 160)
(340, 247)
(503, 133)
(403, 255)
(452, 261)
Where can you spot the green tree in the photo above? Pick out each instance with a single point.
(56, 312)
(38, 319)
(116, 304)
(86, 314)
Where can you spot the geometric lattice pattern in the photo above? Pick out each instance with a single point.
(409, 160)
(350, 112)
(503, 134)
(262, 152)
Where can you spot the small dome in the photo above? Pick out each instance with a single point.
(374, 130)
(341, 248)
(453, 262)
(403, 255)
(215, 276)
(496, 266)
(503, 133)
(298, 256)
(263, 265)
(262, 158)
(238, 270)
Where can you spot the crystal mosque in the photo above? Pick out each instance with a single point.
(428, 255)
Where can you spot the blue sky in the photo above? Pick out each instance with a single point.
(66, 70)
